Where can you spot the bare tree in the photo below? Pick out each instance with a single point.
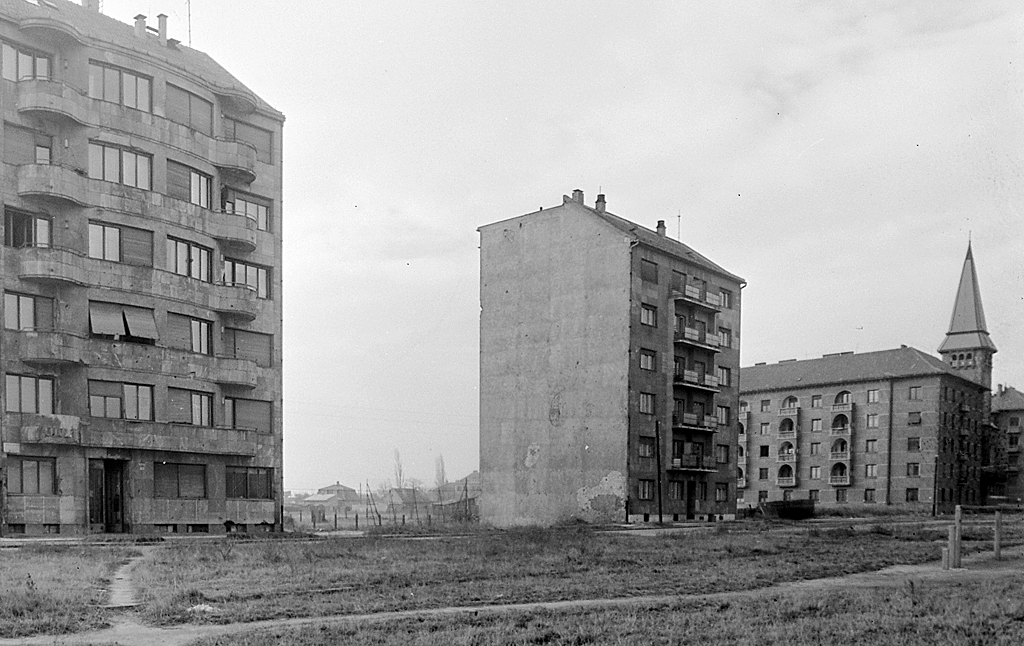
(440, 477)
(399, 472)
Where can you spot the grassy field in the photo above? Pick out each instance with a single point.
(918, 613)
(245, 581)
(55, 589)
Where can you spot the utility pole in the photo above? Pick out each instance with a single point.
(657, 459)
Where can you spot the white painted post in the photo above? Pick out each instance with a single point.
(945, 558)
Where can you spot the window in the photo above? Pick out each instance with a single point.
(120, 165)
(815, 401)
(814, 495)
(647, 403)
(722, 454)
(120, 244)
(190, 407)
(724, 377)
(840, 495)
(104, 242)
(702, 490)
(766, 428)
(913, 469)
(645, 489)
(189, 259)
(912, 494)
(27, 313)
(766, 405)
(787, 495)
(873, 396)
(869, 495)
(870, 470)
(646, 447)
(726, 299)
(25, 229)
(914, 419)
(649, 271)
(189, 110)
(872, 420)
(249, 414)
(913, 444)
(764, 451)
(914, 393)
(105, 399)
(120, 86)
(242, 344)
(744, 406)
(870, 446)
(843, 397)
(29, 394)
(122, 323)
(138, 402)
(762, 473)
(816, 425)
(262, 140)
(814, 473)
(724, 337)
(721, 492)
(20, 64)
(249, 482)
(1014, 421)
(675, 489)
(27, 475)
(255, 208)
(240, 274)
(1013, 439)
(44, 151)
(762, 496)
(188, 184)
(179, 480)
(648, 359)
(723, 413)
(815, 448)
(648, 315)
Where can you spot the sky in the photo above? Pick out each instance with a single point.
(837, 155)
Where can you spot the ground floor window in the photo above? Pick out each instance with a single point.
(762, 496)
(840, 495)
(675, 489)
(912, 495)
(31, 475)
(721, 492)
(250, 482)
(869, 495)
(645, 490)
(179, 480)
(813, 494)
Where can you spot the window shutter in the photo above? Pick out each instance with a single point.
(202, 115)
(254, 346)
(178, 181)
(177, 105)
(165, 480)
(106, 318)
(235, 484)
(137, 247)
(140, 322)
(44, 313)
(179, 405)
(178, 332)
(105, 388)
(192, 480)
(250, 413)
(19, 145)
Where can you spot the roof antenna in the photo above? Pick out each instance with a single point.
(679, 225)
(188, 7)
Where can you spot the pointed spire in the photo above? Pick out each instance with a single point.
(967, 328)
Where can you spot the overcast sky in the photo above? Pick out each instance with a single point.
(837, 155)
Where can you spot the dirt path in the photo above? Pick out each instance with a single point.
(128, 630)
(121, 593)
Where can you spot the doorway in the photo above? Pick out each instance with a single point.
(106, 496)
(691, 499)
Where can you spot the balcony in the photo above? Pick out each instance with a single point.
(839, 481)
(695, 337)
(839, 456)
(793, 411)
(693, 463)
(237, 232)
(44, 97)
(52, 28)
(693, 294)
(51, 264)
(180, 438)
(51, 181)
(840, 430)
(786, 434)
(49, 348)
(235, 158)
(229, 371)
(842, 408)
(786, 482)
(692, 421)
(235, 300)
(741, 483)
(787, 458)
(47, 429)
(172, 362)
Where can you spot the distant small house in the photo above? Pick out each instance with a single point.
(457, 501)
(335, 499)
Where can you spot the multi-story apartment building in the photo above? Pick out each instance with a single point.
(890, 427)
(608, 362)
(141, 187)
(1007, 413)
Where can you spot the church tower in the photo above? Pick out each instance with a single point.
(967, 348)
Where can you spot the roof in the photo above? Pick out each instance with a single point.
(842, 368)
(72, 18)
(967, 330)
(320, 497)
(1006, 399)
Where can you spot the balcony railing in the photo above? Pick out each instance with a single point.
(840, 430)
(237, 231)
(183, 438)
(741, 483)
(789, 433)
(786, 482)
(50, 348)
(839, 455)
(694, 463)
(52, 264)
(236, 299)
(792, 411)
(839, 481)
(53, 97)
(842, 408)
(695, 295)
(786, 458)
(55, 182)
(694, 336)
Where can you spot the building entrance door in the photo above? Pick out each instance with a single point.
(691, 499)
(106, 496)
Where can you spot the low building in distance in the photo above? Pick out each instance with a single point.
(609, 355)
(890, 427)
(141, 346)
(1007, 413)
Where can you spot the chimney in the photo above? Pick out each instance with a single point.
(661, 228)
(577, 196)
(140, 26)
(162, 24)
(599, 205)
(93, 5)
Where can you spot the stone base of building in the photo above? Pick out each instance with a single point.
(680, 518)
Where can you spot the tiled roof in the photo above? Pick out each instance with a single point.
(842, 368)
(1007, 399)
(96, 26)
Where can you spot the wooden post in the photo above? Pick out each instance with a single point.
(335, 521)
(997, 535)
(357, 521)
(958, 553)
(945, 558)
(949, 552)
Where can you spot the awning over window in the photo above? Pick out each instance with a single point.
(141, 323)
(106, 318)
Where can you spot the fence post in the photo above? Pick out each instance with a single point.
(335, 521)
(958, 553)
(949, 553)
(945, 558)
(357, 521)
(997, 535)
